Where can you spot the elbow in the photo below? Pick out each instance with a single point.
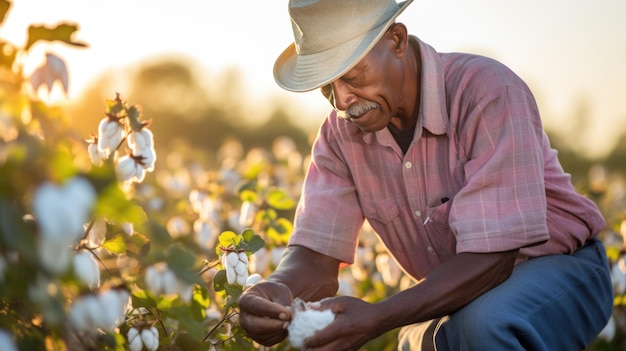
(506, 265)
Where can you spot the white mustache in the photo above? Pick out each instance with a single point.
(357, 109)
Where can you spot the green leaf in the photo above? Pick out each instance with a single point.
(113, 205)
(228, 239)
(186, 342)
(234, 291)
(142, 299)
(201, 296)
(182, 262)
(248, 195)
(115, 106)
(138, 244)
(219, 280)
(280, 200)
(134, 115)
(179, 258)
(184, 315)
(62, 32)
(247, 234)
(62, 165)
(115, 245)
(165, 303)
(280, 230)
(15, 233)
(255, 243)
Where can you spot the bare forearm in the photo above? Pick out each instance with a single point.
(309, 275)
(446, 289)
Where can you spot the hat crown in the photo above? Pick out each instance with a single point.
(319, 25)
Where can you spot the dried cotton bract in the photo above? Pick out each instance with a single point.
(307, 321)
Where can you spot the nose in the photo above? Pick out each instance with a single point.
(342, 96)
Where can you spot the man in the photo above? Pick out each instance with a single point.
(445, 156)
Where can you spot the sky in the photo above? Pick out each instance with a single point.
(566, 50)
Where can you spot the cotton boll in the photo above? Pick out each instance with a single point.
(247, 213)
(97, 156)
(259, 262)
(113, 305)
(61, 211)
(140, 140)
(148, 159)
(125, 168)
(169, 282)
(134, 339)
(253, 279)
(153, 279)
(618, 276)
(241, 279)
(184, 291)
(128, 228)
(110, 134)
(306, 322)
(6, 341)
(150, 338)
(389, 269)
(277, 254)
(231, 275)
(54, 255)
(86, 269)
(608, 333)
(206, 233)
(232, 258)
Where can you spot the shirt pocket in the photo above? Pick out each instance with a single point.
(438, 230)
(382, 211)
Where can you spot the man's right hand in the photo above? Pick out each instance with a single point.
(265, 313)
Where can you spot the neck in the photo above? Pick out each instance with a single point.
(412, 89)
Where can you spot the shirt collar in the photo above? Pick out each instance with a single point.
(433, 114)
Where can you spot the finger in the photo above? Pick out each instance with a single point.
(259, 306)
(321, 338)
(263, 326)
(266, 331)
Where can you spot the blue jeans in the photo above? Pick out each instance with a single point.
(551, 303)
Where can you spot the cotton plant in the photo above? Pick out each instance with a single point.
(121, 125)
(235, 250)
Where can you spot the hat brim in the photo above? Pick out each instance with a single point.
(300, 73)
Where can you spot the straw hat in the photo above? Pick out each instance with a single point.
(331, 36)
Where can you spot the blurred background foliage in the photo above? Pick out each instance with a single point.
(171, 90)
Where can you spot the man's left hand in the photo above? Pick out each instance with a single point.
(355, 324)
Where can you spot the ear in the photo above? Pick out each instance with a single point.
(399, 34)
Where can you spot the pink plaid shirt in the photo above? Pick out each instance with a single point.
(479, 176)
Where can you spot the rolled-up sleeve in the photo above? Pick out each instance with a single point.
(328, 217)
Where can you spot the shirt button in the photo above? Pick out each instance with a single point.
(418, 213)
(408, 164)
(430, 249)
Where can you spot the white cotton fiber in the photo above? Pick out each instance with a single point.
(307, 321)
